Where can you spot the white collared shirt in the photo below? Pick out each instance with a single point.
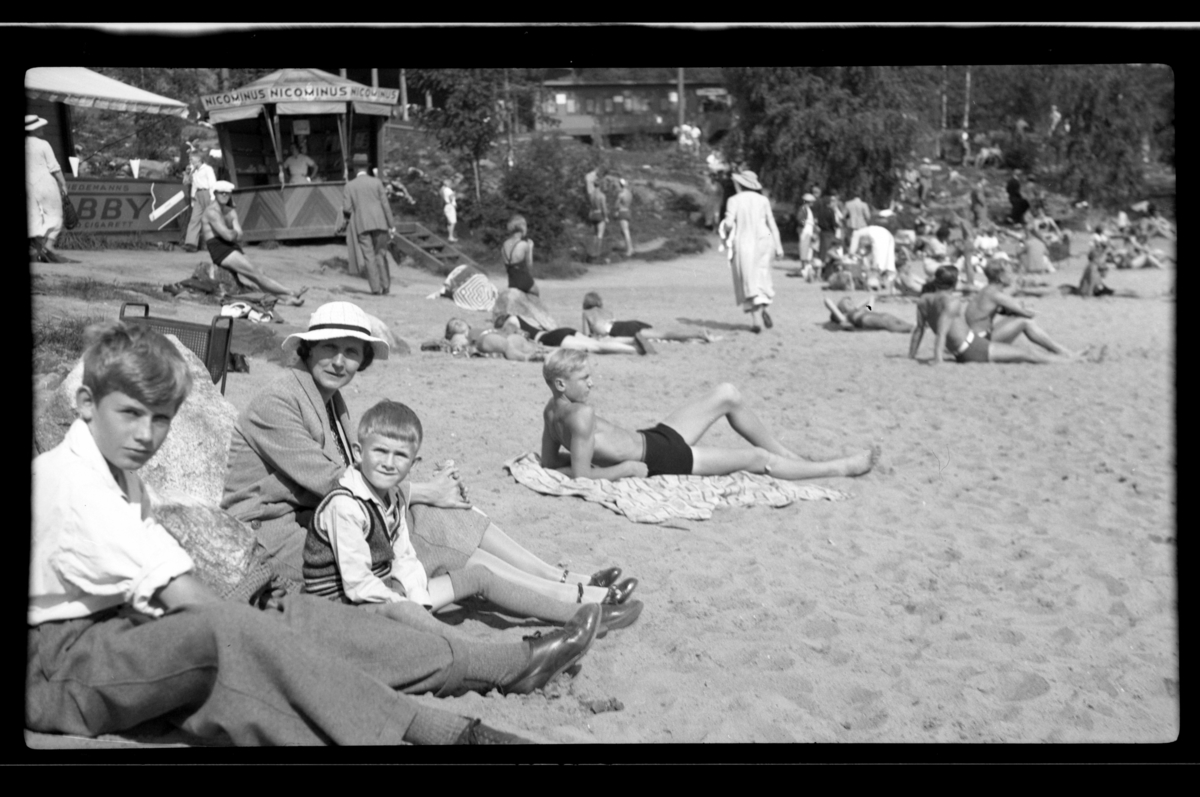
(94, 547)
(347, 525)
(203, 178)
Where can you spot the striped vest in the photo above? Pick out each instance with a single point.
(321, 576)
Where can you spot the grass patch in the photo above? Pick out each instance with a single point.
(83, 241)
(59, 342)
(90, 290)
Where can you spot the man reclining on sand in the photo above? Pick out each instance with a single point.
(599, 322)
(598, 449)
(222, 232)
(982, 308)
(850, 316)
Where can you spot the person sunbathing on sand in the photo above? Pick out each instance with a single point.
(945, 313)
(984, 305)
(850, 317)
(563, 337)
(598, 449)
(598, 323)
(491, 342)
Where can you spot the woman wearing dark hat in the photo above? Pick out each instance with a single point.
(45, 187)
(750, 226)
(292, 443)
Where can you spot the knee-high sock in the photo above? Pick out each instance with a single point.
(476, 580)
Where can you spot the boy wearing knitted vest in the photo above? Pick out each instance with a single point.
(359, 551)
(121, 631)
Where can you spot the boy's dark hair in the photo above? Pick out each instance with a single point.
(136, 361)
(391, 419)
(592, 299)
(305, 348)
(944, 279)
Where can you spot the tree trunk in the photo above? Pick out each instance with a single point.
(475, 164)
(966, 124)
(945, 79)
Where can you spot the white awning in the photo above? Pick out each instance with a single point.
(308, 108)
(76, 85)
(372, 108)
(234, 114)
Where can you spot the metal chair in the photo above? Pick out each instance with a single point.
(209, 342)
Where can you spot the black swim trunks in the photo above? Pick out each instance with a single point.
(667, 453)
(555, 336)
(627, 329)
(221, 249)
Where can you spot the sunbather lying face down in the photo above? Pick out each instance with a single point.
(850, 316)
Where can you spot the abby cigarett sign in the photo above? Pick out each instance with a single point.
(111, 206)
(306, 93)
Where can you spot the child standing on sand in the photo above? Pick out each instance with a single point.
(359, 551)
(598, 449)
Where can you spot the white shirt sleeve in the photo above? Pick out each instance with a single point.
(407, 568)
(113, 551)
(347, 525)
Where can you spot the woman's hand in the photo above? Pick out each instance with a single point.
(445, 490)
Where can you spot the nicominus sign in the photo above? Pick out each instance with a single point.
(309, 92)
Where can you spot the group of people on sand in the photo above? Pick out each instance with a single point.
(361, 556)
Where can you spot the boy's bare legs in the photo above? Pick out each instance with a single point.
(567, 593)
(597, 346)
(1007, 353)
(1010, 329)
(236, 261)
(628, 239)
(694, 419)
(708, 461)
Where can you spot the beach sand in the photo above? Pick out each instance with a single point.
(1006, 574)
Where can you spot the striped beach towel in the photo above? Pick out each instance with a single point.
(662, 498)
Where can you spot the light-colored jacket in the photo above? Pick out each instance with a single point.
(283, 459)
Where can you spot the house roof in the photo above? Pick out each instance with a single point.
(76, 85)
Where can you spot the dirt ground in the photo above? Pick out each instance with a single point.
(1006, 574)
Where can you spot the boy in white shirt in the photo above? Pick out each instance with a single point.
(359, 551)
(121, 631)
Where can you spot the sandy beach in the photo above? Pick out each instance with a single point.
(1006, 574)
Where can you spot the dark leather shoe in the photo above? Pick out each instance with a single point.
(550, 654)
(619, 593)
(478, 733)
(767, 322)
(605, 578)
(620, 616)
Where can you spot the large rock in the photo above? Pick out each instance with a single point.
(221, 546)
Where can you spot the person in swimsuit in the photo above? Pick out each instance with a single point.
(982, 308)
(517, 251)
(450, 208)
(599, 214)
(581, 444)
(942, 311)
(490, 342)
(624, 214)
(563, 337)
(598, 323)
(849, 316)
(222, 231)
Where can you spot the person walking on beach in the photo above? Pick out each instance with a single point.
(450, 208)
(200, 180)
(369, 216)
(599, 214)
(45, 187)
(750, 225)
(625, 213)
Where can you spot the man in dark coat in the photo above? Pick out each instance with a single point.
(370, 224)
(825, 212)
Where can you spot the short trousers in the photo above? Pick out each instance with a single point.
(555, 337)
(596, 216)
(221, 249)
(624, 215)
(976, 350)
(444, 539)
(627, 329)
(667, 453)
(451, 214)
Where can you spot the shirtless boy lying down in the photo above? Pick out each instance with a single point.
(598, 449)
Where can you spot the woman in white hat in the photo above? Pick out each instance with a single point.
(750, 224)
(292, 443)
(45, 187)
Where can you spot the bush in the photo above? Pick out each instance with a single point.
(1021, 153)
(546, 187)
(59, 342)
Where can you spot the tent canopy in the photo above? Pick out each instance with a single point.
(291, 90)
(76, 85)
(300, 77)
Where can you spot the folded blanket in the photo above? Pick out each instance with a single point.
(661, 498)
(469, 288)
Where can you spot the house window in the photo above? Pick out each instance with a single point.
(570, 104)
(589, 105)
(608, 106)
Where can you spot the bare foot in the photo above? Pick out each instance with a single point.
(709, 337)
(862, 463)
(294, 299)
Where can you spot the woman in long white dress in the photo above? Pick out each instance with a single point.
(749, 226)
(44, 189)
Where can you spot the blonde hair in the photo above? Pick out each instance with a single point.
(456, 326)
(518, 223)
(563, 363)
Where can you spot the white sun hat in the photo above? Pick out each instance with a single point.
(33, 122)
(338, 320)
